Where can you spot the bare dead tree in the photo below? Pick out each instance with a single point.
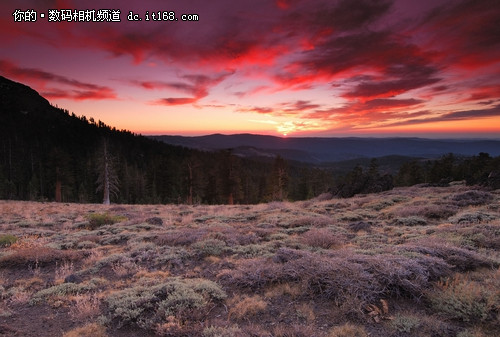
(107, 180)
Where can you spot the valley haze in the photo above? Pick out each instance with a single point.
(329, 149)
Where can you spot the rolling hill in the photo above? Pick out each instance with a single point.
(319, 150)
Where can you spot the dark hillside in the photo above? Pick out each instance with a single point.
(46, 153)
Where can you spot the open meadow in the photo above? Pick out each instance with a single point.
(415, 261)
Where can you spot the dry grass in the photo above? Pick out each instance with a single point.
(84, 307)
(348, 330)
(89, 330)
(245, 307)
(280, 269)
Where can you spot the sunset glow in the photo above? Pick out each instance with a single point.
(426, 68)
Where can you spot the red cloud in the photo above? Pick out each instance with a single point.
(377, 111)
(79, 90)
(484, 92)
(285, 4)
(466, 33)
(175, 101)
(79, 95)
(198, 86)
(400, 67)
(452, 116)
(259, 110)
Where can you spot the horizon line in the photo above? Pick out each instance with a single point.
(442, 137)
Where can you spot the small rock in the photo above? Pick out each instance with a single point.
(73, 279)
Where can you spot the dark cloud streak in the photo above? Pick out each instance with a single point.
(80, 90)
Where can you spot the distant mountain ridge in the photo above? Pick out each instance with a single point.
(320, 150)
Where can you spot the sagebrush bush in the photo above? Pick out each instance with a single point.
(249, 251)
(148, 305)
(63, 289)
(473, 197)
(180, 238)
(321, 238)
(360, 226)
(429, 211)
(97, 220)
(209, 247)
(411, 221)
(39, 256)
(471, 333)
(405, 323)
(460, 259)
(340, 276)
(471, 218)
(310, 221)
(463, 299)
(380, 205)
(7, 240)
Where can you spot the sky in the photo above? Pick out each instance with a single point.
(427, 68)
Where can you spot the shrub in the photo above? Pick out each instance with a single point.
(460, 259)
(348, 330)
(471, 218)
(411, 221)
(321, 238)
(463, 299)
(156, 221)
(97, 220)
(380, 205)
(250, 251)
(360, 226)
(341, 276)
(39, 256)
(471, 333)
(404, 323)
(63, 289)
(473, 197)
(351, 216)
(310, 221)
(430, 211)
(210, 247)
(7, 239)
(179, 238)
(148, 305)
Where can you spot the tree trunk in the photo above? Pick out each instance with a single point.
(190, 196)
(58, 191)
(106, 177)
